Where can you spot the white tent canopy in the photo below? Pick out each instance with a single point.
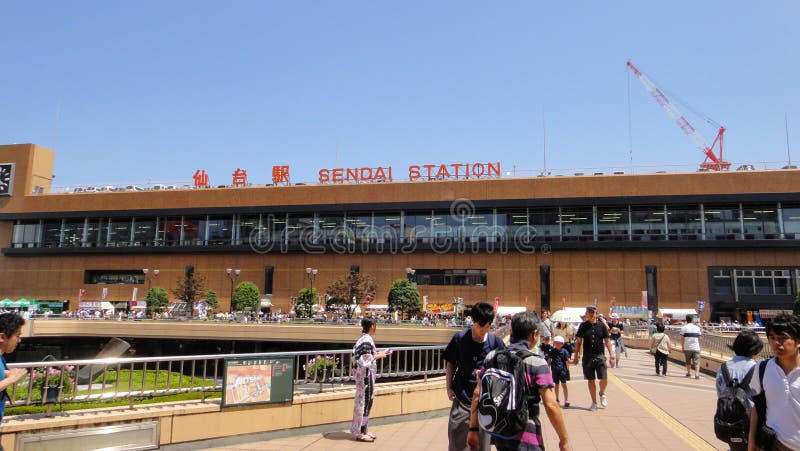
(676, 313)
(508, 310)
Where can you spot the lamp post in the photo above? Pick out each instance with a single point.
(233, 274)
(311, 273)
(149, 280)
(411, 272)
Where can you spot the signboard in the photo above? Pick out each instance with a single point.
(258, 381)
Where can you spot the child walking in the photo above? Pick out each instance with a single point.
(558, 358)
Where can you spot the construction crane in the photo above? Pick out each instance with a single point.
(713, 161)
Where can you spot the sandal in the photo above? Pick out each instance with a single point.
(370, 434)
(364, 438)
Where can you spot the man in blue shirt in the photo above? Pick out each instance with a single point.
(464, 354)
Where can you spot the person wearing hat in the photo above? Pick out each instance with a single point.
(558, 358)
(591, 338)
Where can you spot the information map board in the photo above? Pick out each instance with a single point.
(258, 381)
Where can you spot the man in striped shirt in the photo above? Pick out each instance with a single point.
(690, 342)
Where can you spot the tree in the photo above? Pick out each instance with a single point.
(404, 297)
(189, 289)
(351, 285)
(246, 297)
(305, 302)
(211, 299)
(157, 300)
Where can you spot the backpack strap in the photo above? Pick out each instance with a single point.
(726, 378)
(745, 383)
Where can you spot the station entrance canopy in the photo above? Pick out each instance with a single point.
(676, 313)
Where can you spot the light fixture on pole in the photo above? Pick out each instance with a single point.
(311, 273)
(233, 274)
(411, 272)
(149, 280)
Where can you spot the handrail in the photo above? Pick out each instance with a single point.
(196, 373)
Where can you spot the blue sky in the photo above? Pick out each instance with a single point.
(131, 92)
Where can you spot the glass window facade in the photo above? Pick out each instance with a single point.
(612, 224)
(722, 222)
(468, 277)
(709, 222)
(577, 224)
(791, 221)
(684, 223)
(648, 222)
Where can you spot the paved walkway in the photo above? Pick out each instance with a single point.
(644, 412)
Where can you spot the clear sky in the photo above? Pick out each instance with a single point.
(131, 92)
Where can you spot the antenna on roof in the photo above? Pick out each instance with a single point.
(544, 145)
(788, 151)
(55, 122)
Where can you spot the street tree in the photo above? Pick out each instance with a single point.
(306, 299)
(190, 289)
(404, 297)
(350, 290)
(211, 299)
(246, 297)
(157, 300)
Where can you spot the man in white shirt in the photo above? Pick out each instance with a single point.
(690, 342)
(781, 384)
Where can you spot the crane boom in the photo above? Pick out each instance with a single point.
(712, 161)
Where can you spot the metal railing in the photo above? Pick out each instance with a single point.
(77, 381)
(715, 344)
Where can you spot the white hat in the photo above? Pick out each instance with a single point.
(558, 339)
(615, 315)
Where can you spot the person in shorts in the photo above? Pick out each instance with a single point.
(558, 358)
(690, 342)
(591, 338)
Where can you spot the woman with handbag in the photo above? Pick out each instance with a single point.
(659, 348)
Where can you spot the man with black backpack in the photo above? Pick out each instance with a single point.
(511, 384)
(464, 354)
(735, 397)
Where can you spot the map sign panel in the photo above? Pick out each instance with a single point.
(258, 381)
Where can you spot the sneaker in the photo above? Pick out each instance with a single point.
(566, 405)
(688, 375)
(593, 407)
(697, 376)
(603, 401)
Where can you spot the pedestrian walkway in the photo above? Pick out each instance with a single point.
(644, 412)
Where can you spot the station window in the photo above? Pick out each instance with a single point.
(462, 277)
(113, 276)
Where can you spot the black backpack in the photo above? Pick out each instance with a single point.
(503, 399)
(731, 421)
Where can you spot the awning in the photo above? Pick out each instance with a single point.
(676, 313)
(378, 307)
(631, 312)
(508, 310)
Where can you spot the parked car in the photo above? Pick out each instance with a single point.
(746, 167)
(158, 187)
(105, 188)
(79, 190)
(134, 188)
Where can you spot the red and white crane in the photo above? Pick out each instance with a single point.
(713, 161)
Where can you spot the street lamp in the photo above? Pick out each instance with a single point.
(233, 274)
(411, 272)
(149, 280)
(311, 273)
